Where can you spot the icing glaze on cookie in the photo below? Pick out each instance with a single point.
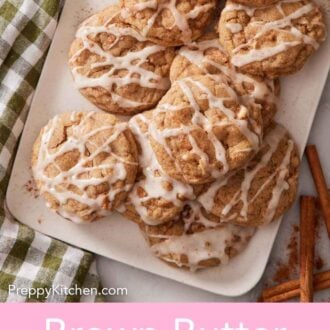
(92, 165)
(121, 60)
(149, 18)
(208, 106)
(195, 242)
(286, 25)
(258, 181)
(155, 186)
(207, 56)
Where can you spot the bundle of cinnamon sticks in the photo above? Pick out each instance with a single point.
(308, 281)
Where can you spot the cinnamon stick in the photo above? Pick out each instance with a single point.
(320, 183)
(291, 289)
(296, 292)
(307, 243)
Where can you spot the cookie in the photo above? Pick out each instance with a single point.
(84, 164)
(207, 56)
(155, 198)
(271, 41)
(199, 131)
(168, 23)
(194, 242)
(116, 68)
(263, 190)
(256, 3)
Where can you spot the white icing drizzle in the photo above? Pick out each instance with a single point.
(155, 179)
(211, 242)
(199, 120)
(261, 54)
(241, 197)
(150, 4)
(58, 186)
(181, 20)
(130, 62)
(193, 214)
(234, 27)
(284, 24)
(195, 53)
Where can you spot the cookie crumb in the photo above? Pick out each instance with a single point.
(286, 270)
(31, 188)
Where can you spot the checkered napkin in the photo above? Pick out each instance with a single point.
(30, 260)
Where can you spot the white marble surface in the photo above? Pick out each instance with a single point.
(145, 287)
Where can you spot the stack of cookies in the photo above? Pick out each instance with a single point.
(198, 161)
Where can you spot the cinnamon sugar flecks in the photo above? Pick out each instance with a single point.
(30, 187)
(82, 14)
(282, 274)
(286, 270)
(319, 263)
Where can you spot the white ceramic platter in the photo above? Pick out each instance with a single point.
(119, 239)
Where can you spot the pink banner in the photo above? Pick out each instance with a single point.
(164, 316)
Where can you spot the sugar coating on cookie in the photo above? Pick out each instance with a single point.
(192, 241)
(256, 3)
(263, 190)
(207, 56)
(84, 164)
(115, 67)
(169, 23)
(271, 41)
(155, 198)
(200, 131)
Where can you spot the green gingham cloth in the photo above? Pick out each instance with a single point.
(29, 259)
